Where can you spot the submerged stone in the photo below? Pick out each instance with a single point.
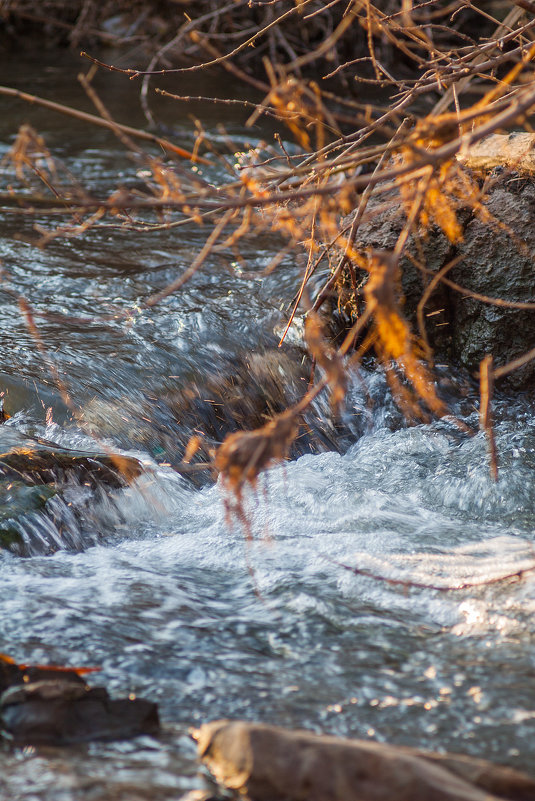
(242, 395)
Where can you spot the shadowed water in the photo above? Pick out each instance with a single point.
(176, 605)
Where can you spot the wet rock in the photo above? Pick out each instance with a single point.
(55, 705)
(59, 712)
(17, 499)
(36, 460)
(266, 763)
(36, 476)
(12, 674)
(496, 260)
(242, 395)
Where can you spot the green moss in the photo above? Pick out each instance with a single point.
(16, 500)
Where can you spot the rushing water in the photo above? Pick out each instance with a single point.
(176, 605)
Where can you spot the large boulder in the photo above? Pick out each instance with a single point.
(498, 261)
(495, 260)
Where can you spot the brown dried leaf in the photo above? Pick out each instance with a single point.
(329, 359)
(244, 454)
(128, 468)
(395, 340)
(194, 443)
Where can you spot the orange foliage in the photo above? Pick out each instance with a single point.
(329, 359)
(439, 191)
(244, 454)
(394, 339)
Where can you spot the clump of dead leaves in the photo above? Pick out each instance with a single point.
(394, 342)
(244, 454)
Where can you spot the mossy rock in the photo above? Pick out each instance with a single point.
(34, 472)
(17, 500)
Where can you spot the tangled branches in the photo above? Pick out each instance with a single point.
(385, 103)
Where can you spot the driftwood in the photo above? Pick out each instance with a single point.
(266, 763)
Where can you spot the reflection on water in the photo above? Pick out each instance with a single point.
(164, 600)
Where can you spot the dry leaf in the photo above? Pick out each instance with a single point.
(394, 340)
(244, 454)
(329, 359)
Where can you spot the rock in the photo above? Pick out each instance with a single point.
(514, 151)
(242, 395)
(496, 261)
(59, 712)
(38, 461)
(35, 475)
(12, 674)
(267, 763)
(496, 265)
(17, 500)
(56, 706)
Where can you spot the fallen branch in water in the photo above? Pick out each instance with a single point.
(84, 116)
(408, 584)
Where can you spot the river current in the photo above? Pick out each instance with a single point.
(176, 605)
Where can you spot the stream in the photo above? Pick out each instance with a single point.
(176, 605)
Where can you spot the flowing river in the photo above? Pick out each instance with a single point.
(176, 605)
